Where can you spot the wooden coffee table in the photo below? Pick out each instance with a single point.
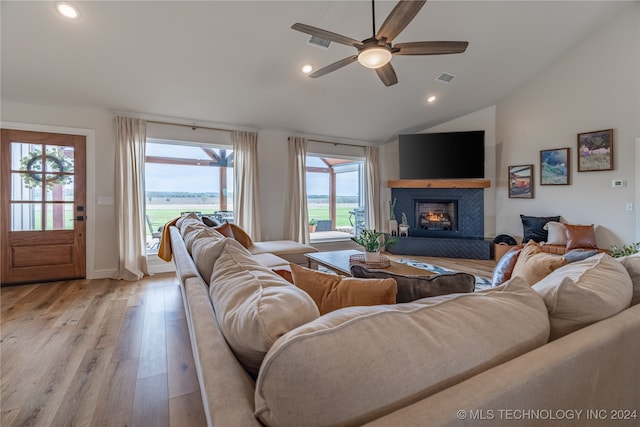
(338, 261)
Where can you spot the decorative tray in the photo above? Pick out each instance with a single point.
(359, 259)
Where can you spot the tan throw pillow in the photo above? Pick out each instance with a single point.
(241, 236)
(503, 270)
(225, 229)
(632, 264)
(353, 365)
(580, 236)
(584, 292)
(556, 233)
(253, 305)
(331, 291)
(533, 264)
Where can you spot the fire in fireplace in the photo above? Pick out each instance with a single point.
(436, 215)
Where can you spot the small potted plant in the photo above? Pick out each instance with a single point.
(312, 225)
(373, 241)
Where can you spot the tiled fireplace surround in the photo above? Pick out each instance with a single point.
(465, 242)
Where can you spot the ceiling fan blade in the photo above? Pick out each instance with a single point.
(387, 74)
(334, 66)
(327, 35)
(399, 18)
(430, 48)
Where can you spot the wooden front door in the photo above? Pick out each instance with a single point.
(43, 206)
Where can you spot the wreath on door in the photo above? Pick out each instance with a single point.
(52, 173)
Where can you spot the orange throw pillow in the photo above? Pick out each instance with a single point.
(331, 292)
(241, 236)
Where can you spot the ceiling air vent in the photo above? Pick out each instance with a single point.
(320, 42)
(446, 77)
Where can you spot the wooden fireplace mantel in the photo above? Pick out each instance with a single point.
(439, 183)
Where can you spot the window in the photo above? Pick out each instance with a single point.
(335, 192)
(185, 177)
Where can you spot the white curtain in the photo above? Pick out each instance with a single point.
(298, 215)
(131, 136)
(246, 191)
(372, 166)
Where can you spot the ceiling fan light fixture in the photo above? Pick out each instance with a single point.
(307, 68)
(374, 57)
(67, 10)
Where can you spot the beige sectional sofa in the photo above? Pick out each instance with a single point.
(264, 355)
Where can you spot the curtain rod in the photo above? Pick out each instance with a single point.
(332, 143)
(194, 127)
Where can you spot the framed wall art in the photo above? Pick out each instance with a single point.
(521, 182)
(554, 166)
(595, 151)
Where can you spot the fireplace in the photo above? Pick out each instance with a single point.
(443, 221)
(436, 215)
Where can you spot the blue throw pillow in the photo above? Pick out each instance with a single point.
(579, 254)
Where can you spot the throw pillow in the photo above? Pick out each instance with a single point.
(556, 234)
(254, 306)
(632, 264)
(331, 291)
(579, 254)
(210, 222)
(503, 270)
(225, 229)
(533, 264)
(580, 236)
(198, 233)
(533, 227)
(584, 292)
(285, 274)
(241, 236)
(411, 288)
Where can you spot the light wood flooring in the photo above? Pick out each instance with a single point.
(100, 352)
(107, 353)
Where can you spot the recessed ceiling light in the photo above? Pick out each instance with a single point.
(67, 10)
(307, 68)
(432, 99)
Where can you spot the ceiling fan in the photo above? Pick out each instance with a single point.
(376, 52)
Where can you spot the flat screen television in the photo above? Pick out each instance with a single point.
(449, 155)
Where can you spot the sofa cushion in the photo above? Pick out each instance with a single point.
(533, 227)
(632, 264)
(270, 260)
(191, 224)
(533, 264)
(556, 233)
(190, 215)
(253, 305)
(356, 364)
(411, 288)
(580, 236)
(331, 291)
(205, 252)
(584, 292)
(194, 234)
(504, 268)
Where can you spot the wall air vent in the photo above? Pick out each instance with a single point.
(446, 77)
(320, 42)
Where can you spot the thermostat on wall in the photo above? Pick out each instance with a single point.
(615, 183)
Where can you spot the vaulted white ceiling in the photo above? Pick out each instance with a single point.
(238, 62)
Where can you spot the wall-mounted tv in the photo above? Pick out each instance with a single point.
(449, 155)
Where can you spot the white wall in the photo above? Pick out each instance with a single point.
(594, 86)
(480, 120)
